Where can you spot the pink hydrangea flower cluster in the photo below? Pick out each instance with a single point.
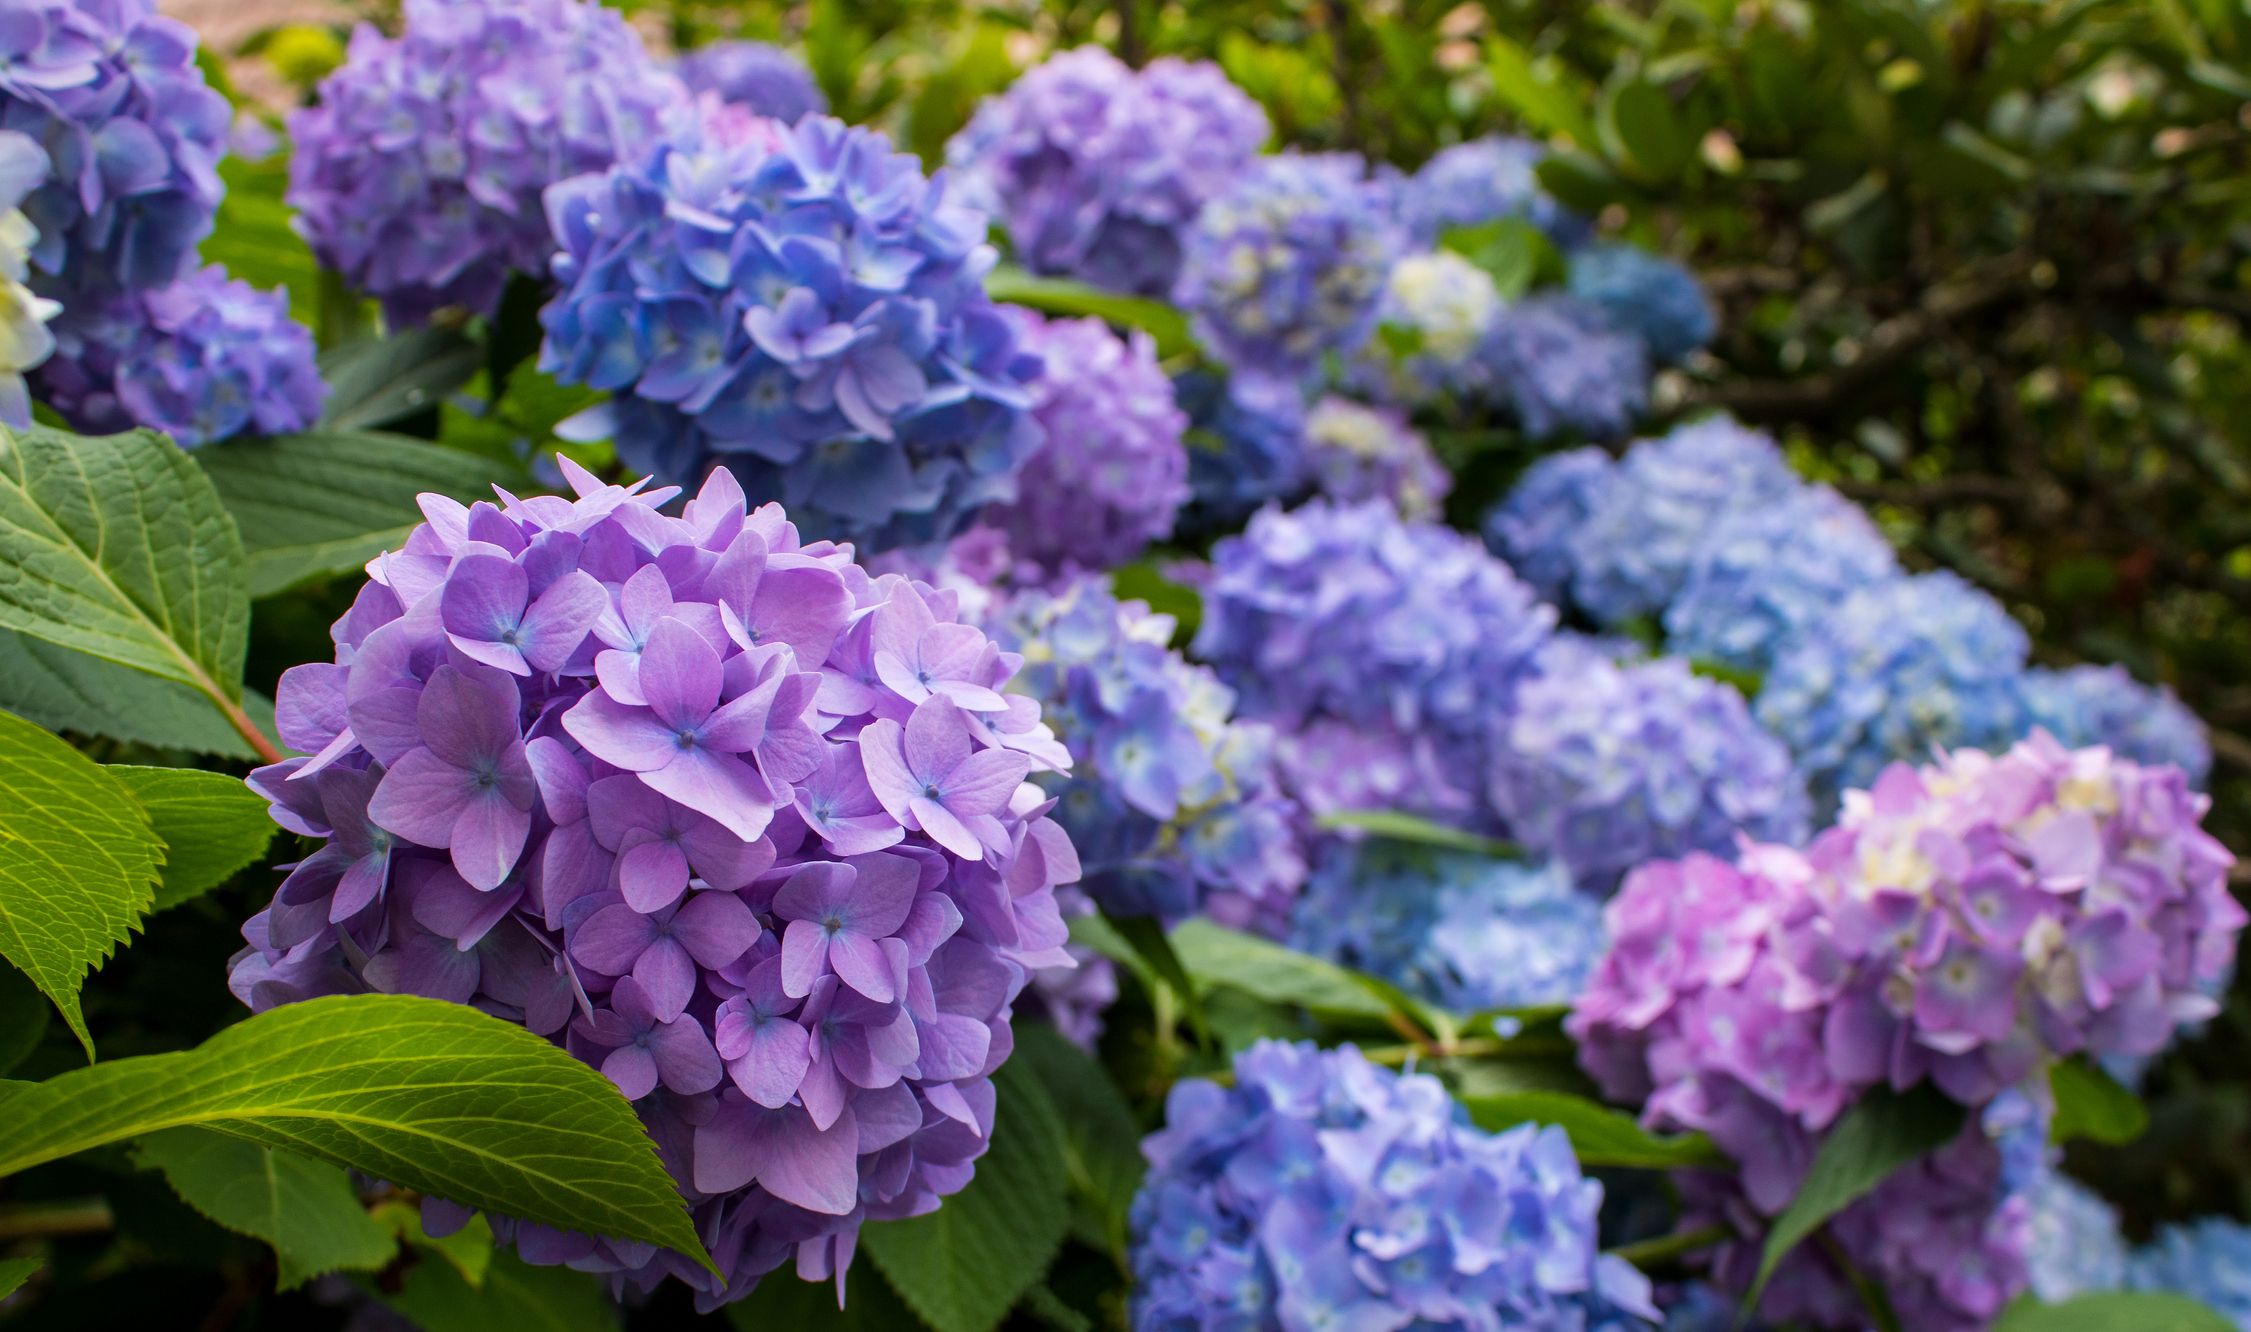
(735, 821)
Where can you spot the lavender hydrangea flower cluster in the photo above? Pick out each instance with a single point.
(1288, 265)
(1113, 474)
(1097, 170)
(133, 135)
(1481, 181)
(1647, 295)
(1356, 452)
(1323, 1191)
(802, 304)
(1351, 629)
(1564, 368)
(1964, 924)
(1895, 670)
(418, 172)
(25, 340)
(723, 814)
(1605, 767)
(1174, 807)
(1246, 446)
(762, 78)
(202, 359)
(2104, 705)
(1762, 571)
(1465, 932)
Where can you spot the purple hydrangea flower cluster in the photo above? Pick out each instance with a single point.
(1534, 525)
(112, 92)
(1481, 181)
(1288, 265)
(1097, 170)
(1357, 453)
(2103, 705)
(1605, 767)
(1465, 932)
(725, 815)
(1246, 446)
(417, 174)
(1965, 924)
(765, 79)
(1564, 368)
(1323, 1191)
(1348, 627)
(202, 359)
(1113, 474)
(1891, 673)
(1652, 297)
(1173, 805)
(1761, 571)
(802, 304)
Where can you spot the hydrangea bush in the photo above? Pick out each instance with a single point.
(802, 304)
(731, 819)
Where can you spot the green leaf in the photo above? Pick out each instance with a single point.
(514, 1296)
(1216, 955)
(469, 1249)
(783, 1303)
(2112, 1311)
(1101, 1140)
(118, 549)
(1148, 940)
(376, 381)
(78, 864)
(433, 1096)
(2091, 1104)
(1511, 251)
(65, 691)
(305, 1209)
(254, 239)
(1599, 1134)
(962, 1267)
(1061, 296)
(1876, 1137)
(1541, 93)
(14, 1272)
(1394, 826)
(211, 826)
(23, 1018)
(1640, 124)
(316, 505)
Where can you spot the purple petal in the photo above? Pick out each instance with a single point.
(420, 797)
(680, 675)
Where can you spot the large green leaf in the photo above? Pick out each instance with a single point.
(1167, 327)
(514, 1296)
(78, 864)
(1600, 1135)
(375, 381)
(14, 1272)
(305, 1209)
(315, 505)
(2113, 1311)
(2091, 1104)
(118, 549)
(962, 1267)
(1394, 826)
(23, 1018)
(211, 825)
(434, 1096)
(1101, 1141)
(1876, 1137)
(1216, 955)
(66, 691)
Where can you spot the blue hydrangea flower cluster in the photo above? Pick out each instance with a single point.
(1482, 181)
(1762, 570)
(1536, 524)
(1465, 932)
(1652, 297)
(1605, 767)
(763, 78)
(2104, 705)
(418, 171)
(1096, 170)
(112, 92)
(1173, 805)
(2208, 1261)
(1356, 452)
(727, 817)
(1322, 1191)
(1347, 626)
(1897, 670)
(202, 359)
(1113, 474)
(1288, 265)
(801, 303)
(1565, 369)
(1246, 446)
(2076, 1245)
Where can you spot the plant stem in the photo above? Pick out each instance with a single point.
(1665, 1248)
(78, 1216)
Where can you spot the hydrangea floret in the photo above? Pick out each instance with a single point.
(1323, 1191)
(802, 304)
(418, 170)
(726, 816)
(761, 77)
(1113, 472)
(1563, 368)
(1096, 170)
